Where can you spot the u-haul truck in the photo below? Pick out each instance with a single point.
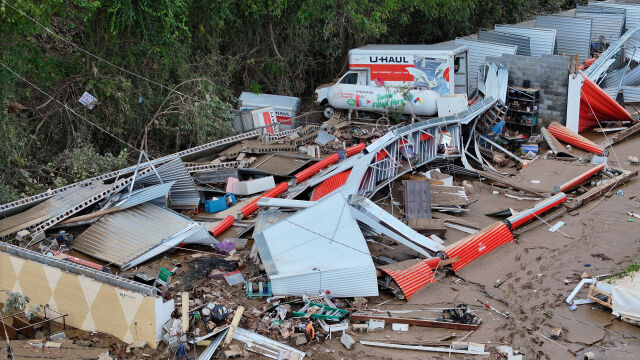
(384, 76)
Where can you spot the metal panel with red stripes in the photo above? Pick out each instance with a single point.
(563, 134)
(478, 244)
(410, 275)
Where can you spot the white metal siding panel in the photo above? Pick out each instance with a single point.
(522, 42)
(542, 40)
(478, 52)
(632, 11)
(573, 35)
(122, 236)
(604, 24)
(632, 19)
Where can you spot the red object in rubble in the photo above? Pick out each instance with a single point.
(332, 183)
(563, 134)
(331, 159)
(580, 178)
(253, 206)
(223, 225)
(411, 278)
(596, 105)
(478, 244)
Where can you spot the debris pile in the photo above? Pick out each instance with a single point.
(304, 230)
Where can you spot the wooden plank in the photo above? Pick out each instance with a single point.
(234, 324)
(603, 188)
(619, 136)
(506, 181)
(416, 322)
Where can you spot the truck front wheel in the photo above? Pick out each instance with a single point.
(328, 111)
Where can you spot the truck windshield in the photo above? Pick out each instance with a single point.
(350, 78)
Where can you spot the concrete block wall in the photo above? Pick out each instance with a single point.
(549, 73)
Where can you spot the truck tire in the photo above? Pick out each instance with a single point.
(328, 111)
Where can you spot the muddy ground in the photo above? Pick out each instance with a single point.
(529, 279)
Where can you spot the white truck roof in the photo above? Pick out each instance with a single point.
(412, 47)
(250, 99)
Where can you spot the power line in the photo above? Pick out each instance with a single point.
(93, 55)
(68, 108)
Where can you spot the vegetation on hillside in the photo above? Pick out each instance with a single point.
(203, 53)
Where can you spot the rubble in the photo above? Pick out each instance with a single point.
(292, 231)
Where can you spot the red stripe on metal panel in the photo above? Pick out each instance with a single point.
(596, 105)
(537, 209)
(329, 185)
(570, 137)
(580, 178)
(223, 225)
(412, 278)
(479, 244)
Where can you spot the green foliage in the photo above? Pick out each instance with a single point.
(631, 270)
(16, 302)
(203, 52)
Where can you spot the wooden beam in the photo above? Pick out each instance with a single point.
(234, 325)
(416, 322)
(601, 189)
(507, 181)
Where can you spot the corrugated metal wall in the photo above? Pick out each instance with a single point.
(542, 40)
(632, 19)
(522, 42)
(604, 24)
(478, 52)
(573, 35)
(631, 78)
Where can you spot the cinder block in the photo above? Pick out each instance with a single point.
(347, 341)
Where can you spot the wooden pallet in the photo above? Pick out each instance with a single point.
(597, 295)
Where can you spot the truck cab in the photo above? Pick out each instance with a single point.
(351, 77)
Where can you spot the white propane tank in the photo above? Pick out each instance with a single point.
(380, 99)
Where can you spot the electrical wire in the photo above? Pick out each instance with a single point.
(510, 302)
(93, 55)
(69, 109)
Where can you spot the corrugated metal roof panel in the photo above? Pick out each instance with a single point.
(143, 195)
(410, 275)
(120, 237)
(604, 24)
(563, 134)
(265, 346)
(328, 252)
(330, 185)
(573, 35)
(632, 11)
(632, 19)
(184, 194)
(478, 52)
(523, 42)
(60, 204)
(478, 244)
(631, 94)
(542, 40)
